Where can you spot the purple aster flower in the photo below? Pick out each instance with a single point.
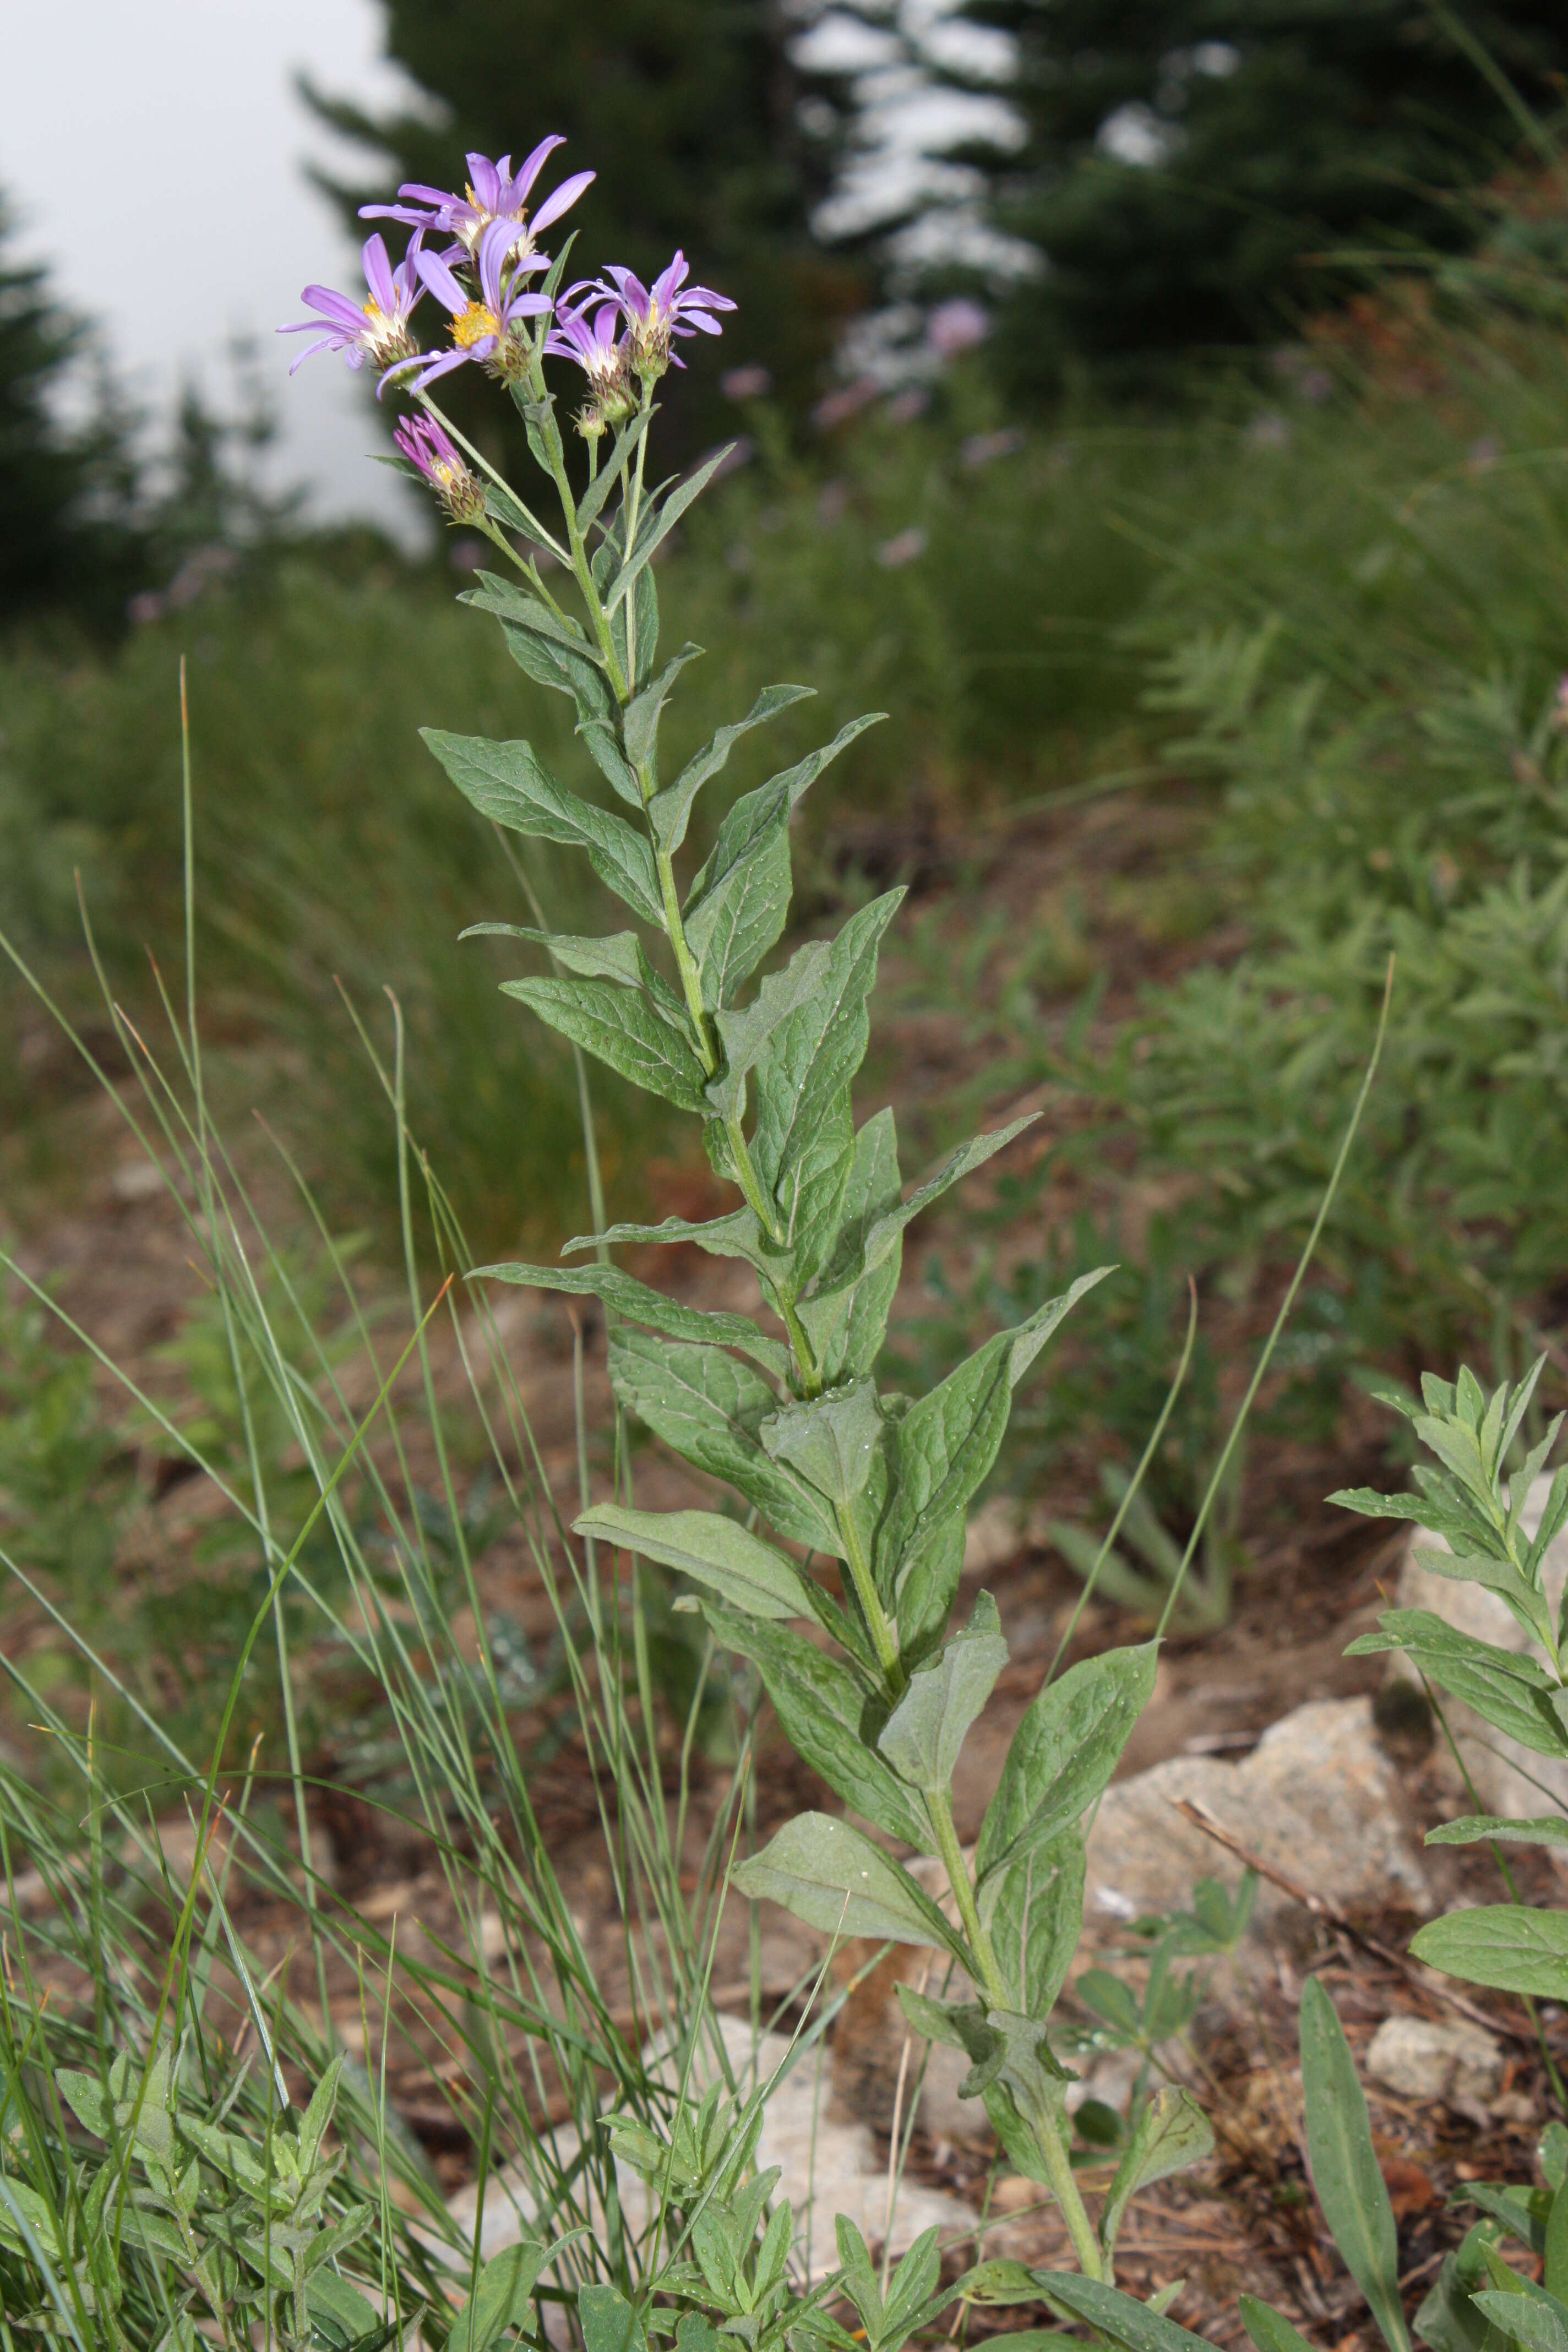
(432, 451)
(592, 340)
(494, 192)
(487, 329)
(377, 330)
(669, 308)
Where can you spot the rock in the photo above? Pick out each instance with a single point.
(1317, 1798)
(830, 2166)
(1459, 2064)
(1509, 1779)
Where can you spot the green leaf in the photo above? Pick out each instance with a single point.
(743, 1033)
(1172, 2133)
(620, 1029)
(642, 715)
(922, 1737)
(670, 811)
(659, 518)
(738, 898)
(826, 1714)
(1504, 1944)
(860, 2277)
(958, 2025)
(948, 1440)
(507, 783)
(1447, 2319)
(832, 1876)
(732, 1236)
(618, 955)
(709, 1407)
(1547, 1829)
(640, 1303)
(831, 1440)
(1117, 2316)
(810, 1059)
(1531, 2317)
(1509, 1688)
(1554, 2277)
(608, 2322)
(712, 1551)
(502, 2298)
(1268, 2329)
(1063, 1754)
(591, 504)
(1346, 2174)
(883, 1233)
(847, 1317)
(340, 2317)
(85, 2096)
(1032, 1910)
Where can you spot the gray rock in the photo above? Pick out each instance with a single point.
(1317, 1798)
(1419, 2059)
(1509, 1779)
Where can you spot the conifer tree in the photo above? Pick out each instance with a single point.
(1190, 162)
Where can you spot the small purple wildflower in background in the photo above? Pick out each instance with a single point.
(377, 330)
(746, 384)
(956, 326)
(1560, 708)
(905, 547)
(838, 407)
(655, 314)
(906, 406)
(985, 448)
(495, 192)
(435, 455)
(485, 330)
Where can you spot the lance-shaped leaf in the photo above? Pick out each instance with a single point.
(743, 1033)
(670, 810)
(948, 1440)
(883, 1233)
(1527, 2314)
(1272, 2331)
(1033, 1912)
(643, 713)
(736, 905)
(591, 504)
(832, 1440)
(603, 739)
(620, 1028)
(831, 1875)
(1345, 2167)
(1510, 1690)
(1118, 2317)
(826, 1714)
(1172, 2133)
(507, 783)
(501, 2300)
(1543, 1829)
(846, 1318)
(707, 1406)
(659, 519)
(712, 1551)
(640, 1303)
(810, 1059)
(921, 1737)
(1505, 1945)
(617, 955)
(735, 1235)
(1063, 1754)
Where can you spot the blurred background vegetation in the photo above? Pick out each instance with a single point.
(1215, 591)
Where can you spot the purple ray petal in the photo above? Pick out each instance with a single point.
(528, 171)
(442, 283)
(561, 199)
(311, 349)
(485, 179)
(335, 306)
(378, 274)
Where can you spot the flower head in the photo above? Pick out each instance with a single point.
(655, 314)
(432, 451)
(592, 340)
(494, 193)
(486, 327)
(377, 330)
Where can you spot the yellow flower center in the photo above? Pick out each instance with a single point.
(475, 323)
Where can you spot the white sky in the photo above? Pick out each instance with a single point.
(152, 149)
